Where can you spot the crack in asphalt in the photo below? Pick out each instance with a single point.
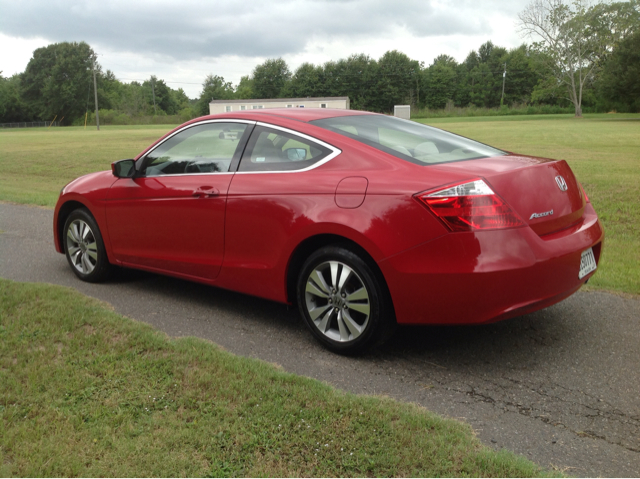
(584, 415)
(631, 423)
(581, 413)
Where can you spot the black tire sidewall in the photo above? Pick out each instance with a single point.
(101, 270)
(375, 290)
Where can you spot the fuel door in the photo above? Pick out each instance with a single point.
(351, 191)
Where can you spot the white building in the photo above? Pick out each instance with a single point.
(222, 106)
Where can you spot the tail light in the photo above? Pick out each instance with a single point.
(470, 206)
(586, 198)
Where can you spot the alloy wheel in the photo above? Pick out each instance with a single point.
(337, 301)
(82, 246)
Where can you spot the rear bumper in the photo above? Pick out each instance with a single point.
(487, 276)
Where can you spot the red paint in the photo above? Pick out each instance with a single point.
(351, 192)
(239, 231)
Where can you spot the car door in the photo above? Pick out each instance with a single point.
(170, 216)
(275, 191)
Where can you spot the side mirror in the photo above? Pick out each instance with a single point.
(123, 168)
(296, 154)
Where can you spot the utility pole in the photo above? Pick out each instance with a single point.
(153, 91)
(95, 92)
(504, 76)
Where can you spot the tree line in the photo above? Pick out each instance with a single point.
(581, 55)
(58, 82)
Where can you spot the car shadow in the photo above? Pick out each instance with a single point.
(525, 342)
(207, 296)
(518, 342)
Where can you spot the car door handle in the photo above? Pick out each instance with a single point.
(206, 192)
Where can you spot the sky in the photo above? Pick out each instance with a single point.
(182, 41)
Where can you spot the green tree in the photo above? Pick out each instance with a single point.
(612, 23)
(244, 90)
(57, 80)
(483, 86)
(110, 91)
(620, 80)
(488, 75)
(521, 75)
(479, 78)
(12, 107)
(465, 80)
(360, 74)
(440, 82)
(214, 87)
(398, 81)
(133, 101)
(158, 93)
(180, 99)
(305, 82)
(576, 39)
(332, 79)
(270, 78)
(356, 77)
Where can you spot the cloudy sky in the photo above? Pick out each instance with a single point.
(181, 41)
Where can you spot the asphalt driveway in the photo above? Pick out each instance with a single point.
(560, 386)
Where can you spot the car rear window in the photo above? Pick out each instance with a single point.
(408, 140)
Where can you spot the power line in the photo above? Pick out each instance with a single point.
(345, 74)
(178, 82)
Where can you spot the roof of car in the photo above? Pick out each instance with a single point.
(300, 114)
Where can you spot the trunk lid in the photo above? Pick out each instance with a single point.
(545, 193)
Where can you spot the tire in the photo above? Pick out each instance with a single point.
(84, 248)
(344, 303)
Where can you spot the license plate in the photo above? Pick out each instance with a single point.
(587, 263)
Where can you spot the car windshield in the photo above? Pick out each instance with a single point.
(408, 140)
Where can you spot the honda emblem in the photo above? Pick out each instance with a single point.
(561, 183)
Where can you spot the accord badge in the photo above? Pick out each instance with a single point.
(540, 215)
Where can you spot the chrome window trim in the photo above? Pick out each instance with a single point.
(216, 120)
(188, 174)
(334, 151)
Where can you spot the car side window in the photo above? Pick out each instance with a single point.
(203, 148)
(274, 150)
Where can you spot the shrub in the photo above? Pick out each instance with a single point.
(118, 117)
(514, 109)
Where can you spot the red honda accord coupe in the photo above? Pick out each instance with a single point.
(365, 221)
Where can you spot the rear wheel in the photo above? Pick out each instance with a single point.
(84, 247)
(343, 302)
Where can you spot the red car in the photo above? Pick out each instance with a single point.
(365, 221)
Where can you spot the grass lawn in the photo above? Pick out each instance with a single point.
(35, 163)
(604, 152)
(86, 392)
(466, 119)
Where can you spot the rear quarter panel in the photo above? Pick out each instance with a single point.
(269, 214)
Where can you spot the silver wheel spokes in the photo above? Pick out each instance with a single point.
(82, 247)
(337, 301)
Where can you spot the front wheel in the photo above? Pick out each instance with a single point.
(84, 247)
(343, 302)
